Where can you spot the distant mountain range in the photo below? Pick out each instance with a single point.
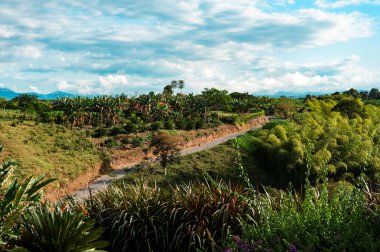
(10, 94)
(292, 94)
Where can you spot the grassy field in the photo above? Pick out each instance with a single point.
(47, 149)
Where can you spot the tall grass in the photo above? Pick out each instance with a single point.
(187, 217)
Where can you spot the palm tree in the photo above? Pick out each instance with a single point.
(174, 84)
(181, 85)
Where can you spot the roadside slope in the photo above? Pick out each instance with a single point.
(104, 181)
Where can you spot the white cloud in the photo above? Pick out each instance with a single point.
(6, 32)
(33, 52)
(343, 3)
(342, 27)
(111, 81)
(110, 46)
(33, 88)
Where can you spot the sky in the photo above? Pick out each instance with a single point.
(124, 46)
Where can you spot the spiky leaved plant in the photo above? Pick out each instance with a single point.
(15, 197)
(60, 229)
(184, 218)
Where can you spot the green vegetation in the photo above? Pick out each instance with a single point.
(108, 115)
(341, 135)
(308, 182)
(59, 229)
(15, 198)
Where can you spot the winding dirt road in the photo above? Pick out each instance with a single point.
(104, 181)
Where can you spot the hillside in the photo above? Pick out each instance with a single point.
(53, 151)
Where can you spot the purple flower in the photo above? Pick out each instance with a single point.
(228, 250)
(292, 248)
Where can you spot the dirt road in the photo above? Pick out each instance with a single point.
(105, 180)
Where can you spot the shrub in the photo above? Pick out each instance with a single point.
(230, 119)
(110, 142)
(99, 132)
(169, 125)
(137, 142)
(314, 222)
(273, 123)
(125, 141)
(130, 127)
(116, 130)
(181, 124)
(157, 125)
(188, 217)
(60, 229)
(199, 124)
(191, 124)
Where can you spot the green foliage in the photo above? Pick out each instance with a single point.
(347, 146)
(273, 123)
(60, 229)
(188, 217)
(317, 221)
(110, 142)
(285, 108)
(137, 142)
(15, 197)
(351, 108)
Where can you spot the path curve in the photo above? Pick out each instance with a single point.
(104, 181)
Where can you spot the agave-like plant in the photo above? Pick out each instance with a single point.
(60, 229)
(15, 197)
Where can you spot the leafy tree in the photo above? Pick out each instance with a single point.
(352, 92)
(285, 108)
(350, 108)
(25, 101)
(166, 147)
(217, 99)
(181, 85)
(168, 91)
(374, 94)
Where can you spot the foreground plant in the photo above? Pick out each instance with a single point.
(15, 198)
(317, 221)
(187, 217)
(60, 229)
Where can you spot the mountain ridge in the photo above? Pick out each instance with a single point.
(10, 94)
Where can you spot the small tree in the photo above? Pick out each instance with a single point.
(181, 85)
(285, 108)
(166, 147)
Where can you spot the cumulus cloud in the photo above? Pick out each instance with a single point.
(34, 88)
(110, 81)
(343, 3)
(33, 52)
(123, 46)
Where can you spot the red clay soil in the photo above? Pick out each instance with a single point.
(124, 158)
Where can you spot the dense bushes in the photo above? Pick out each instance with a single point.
(321, 138)
(339, 220)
